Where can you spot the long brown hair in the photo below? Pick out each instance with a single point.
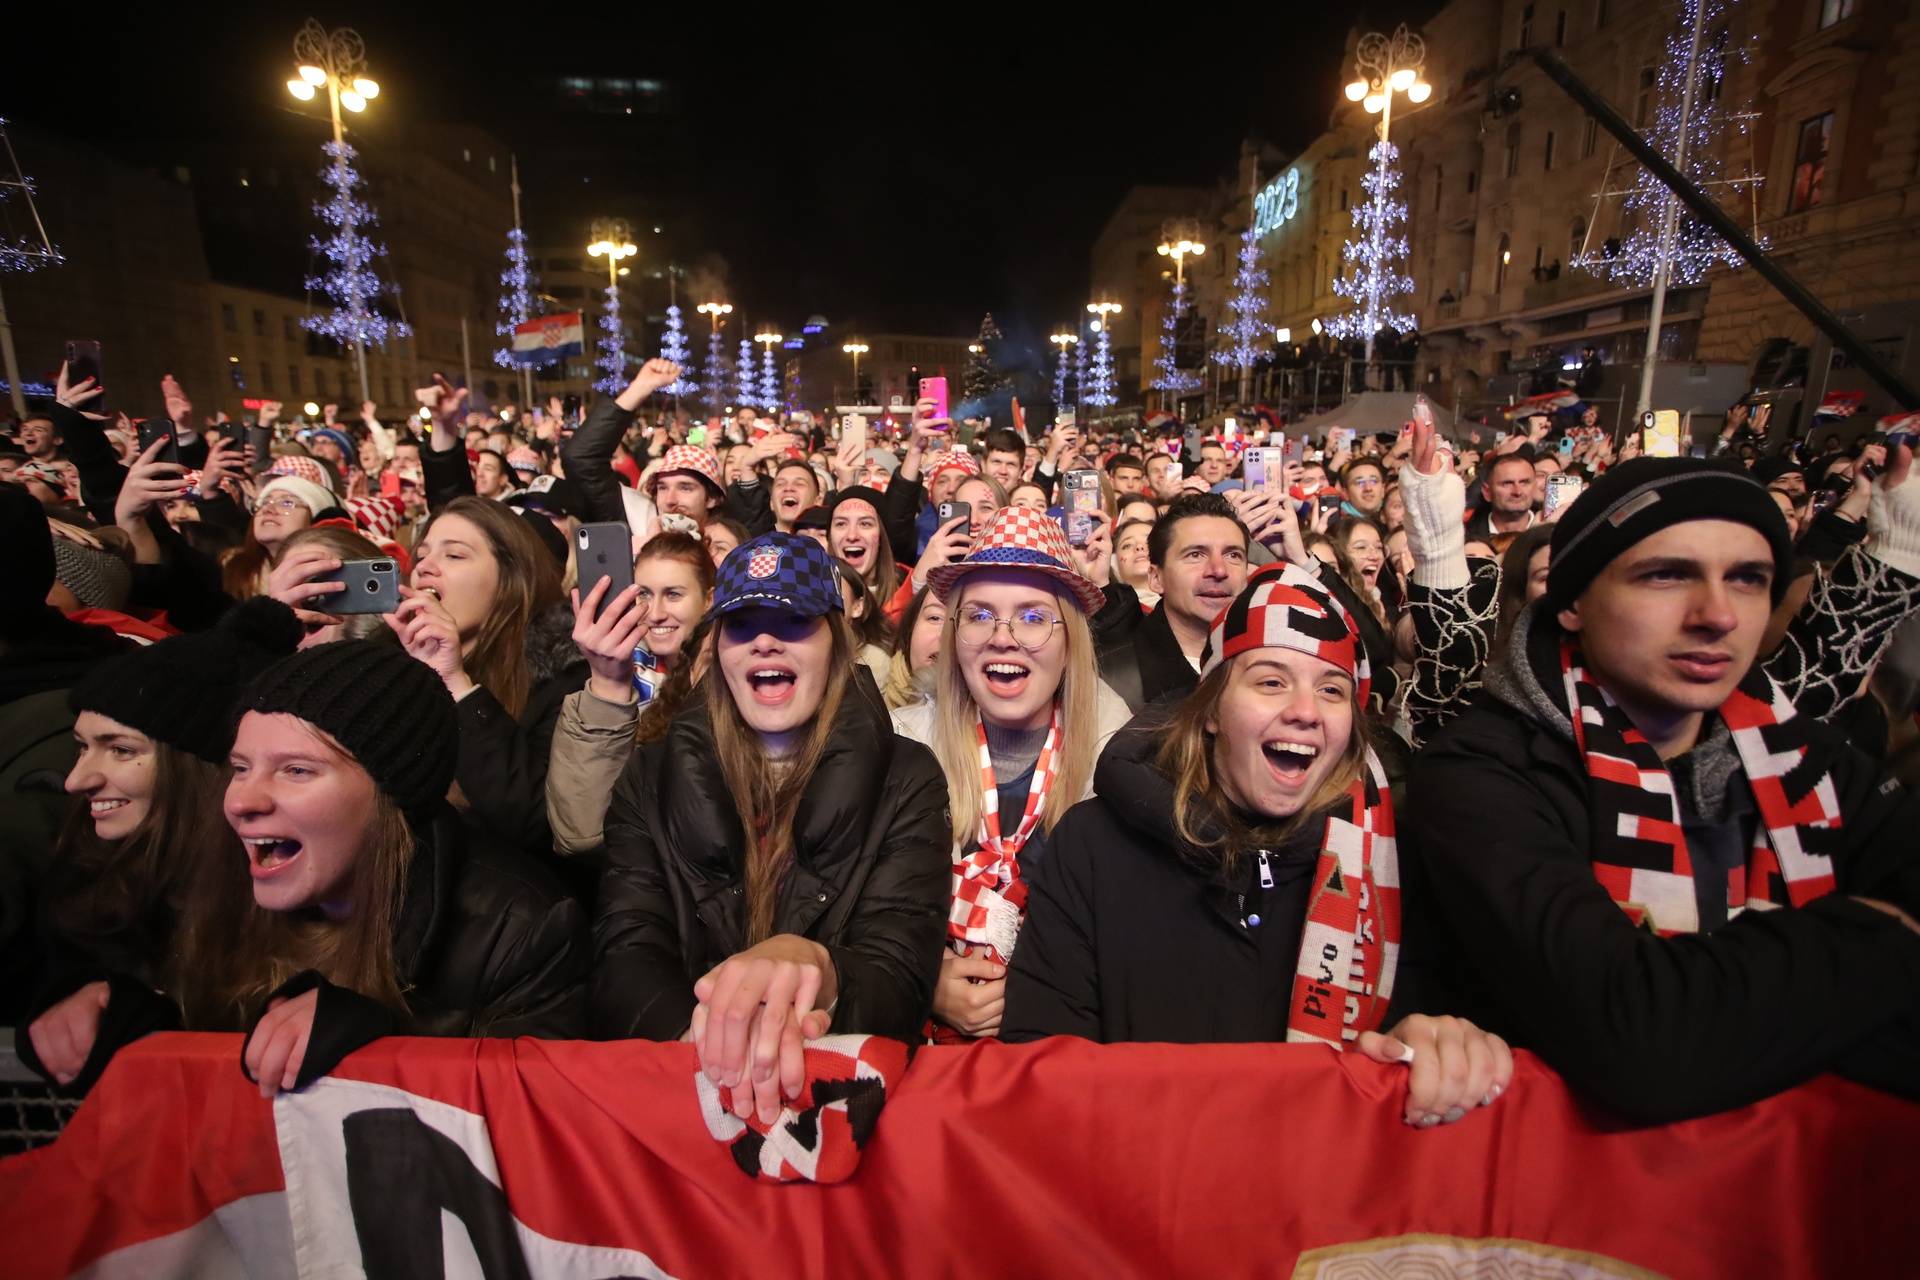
(528, 584)
(768, 797)
(1514, 566)
(956, 740)
(128, 889)
(234, 952)
(243, 570)
(882, 577)
(1210, 831)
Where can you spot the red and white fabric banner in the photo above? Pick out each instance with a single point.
(545, 1159)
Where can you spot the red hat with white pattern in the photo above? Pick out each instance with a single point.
(302, 468)
(376, 517)
(1285, 607)
(954, 460)
(521, 458)
(1021, 539)
(693, 460)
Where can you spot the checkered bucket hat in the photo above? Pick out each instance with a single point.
(692, 459)
(1021, 539)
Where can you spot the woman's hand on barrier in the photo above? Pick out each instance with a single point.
(63, 1036)
(279, 1043)
(971, 993)
(1453, 1066)
(757, 1010)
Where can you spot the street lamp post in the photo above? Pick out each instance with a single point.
(1386, 65)
(337, 61)
(769, 388)
(1104, 394)
(612, 240)
(1178, 244)
(856, 350)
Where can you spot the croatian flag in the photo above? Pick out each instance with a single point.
(545, 339)
(1840, 404)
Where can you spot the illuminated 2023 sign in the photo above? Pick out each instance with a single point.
(1277, 203)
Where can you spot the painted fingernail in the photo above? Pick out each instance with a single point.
(1488, 1100)
(1455, 1115)
(1496, 1091)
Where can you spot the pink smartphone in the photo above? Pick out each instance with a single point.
(935, 389)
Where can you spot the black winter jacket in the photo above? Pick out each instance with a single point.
(1129, 937)
(870, 879)
(502, 765)
(1507, 925)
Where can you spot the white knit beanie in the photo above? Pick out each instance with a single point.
(316, 498)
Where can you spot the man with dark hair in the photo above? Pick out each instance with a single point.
(1506, 488)
(1197, 554)
(39, 439)
(492, 477)
(1364, 481)
(1128, 473)
(1644, 865)
(1214, 466)
(795, 488)
(1006, 454)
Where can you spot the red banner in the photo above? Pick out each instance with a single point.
(1064, 1158)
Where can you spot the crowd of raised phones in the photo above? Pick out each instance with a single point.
(746, 732)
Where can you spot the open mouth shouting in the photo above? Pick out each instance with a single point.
(1006, 677)
(855, 552)
(1290, 761)
(772, 684)
(268, 856)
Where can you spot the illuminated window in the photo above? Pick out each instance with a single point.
(1810, 163)
(1833, 11)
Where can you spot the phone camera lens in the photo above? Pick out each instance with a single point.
(373, 588)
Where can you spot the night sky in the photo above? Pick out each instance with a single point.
(878, 169)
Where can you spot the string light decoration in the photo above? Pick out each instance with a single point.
(612, 360)
(1081, 355)
(21, 253)
(673, 346)
(1100, 391)
(713, 375)
(348, 281)
(1375, 252)
(516, 297)
(1062, 340)
(769, 382)
(1686, 128)
(1248, 331)
(746, 385)
(1171, 379)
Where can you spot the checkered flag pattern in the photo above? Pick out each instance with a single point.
(1350, 947)
(782, 571)
(692, 458)
(1287, 608)
(1639, 847)
(989, 877)
(954, 460)
(377, 517)
(1017, 538)
(302, 469)
(819, 1135)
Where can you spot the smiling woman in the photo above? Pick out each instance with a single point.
(1249, 834)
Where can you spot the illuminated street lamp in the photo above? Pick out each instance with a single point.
(769, 381)
(1179, 250)
(856, 350)
(612, 240)
(337, 61)
(1384, 65)
(1101, 394)
(1065, 341)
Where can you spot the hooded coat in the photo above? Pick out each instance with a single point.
(868, 880)
(1508, 926)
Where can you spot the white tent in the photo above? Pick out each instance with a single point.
(1373, 411)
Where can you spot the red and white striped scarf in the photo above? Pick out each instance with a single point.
(1640, 850)
(1350, 946)
(989, 897)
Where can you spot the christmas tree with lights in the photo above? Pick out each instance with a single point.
(516, 297)
(746, 385)
(348, 280)
(713, 375)
(769, 382)
(1375, 253)
(1689, 120)
(1170, 379)
(1247, 332)
(612, 360)
(673, 346)
(980, 379)
(1060, 381)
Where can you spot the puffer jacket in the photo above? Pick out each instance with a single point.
(1508, 925)
(592, 740)
(502, 765)
(869, 877)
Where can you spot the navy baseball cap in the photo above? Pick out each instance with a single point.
(778, 571)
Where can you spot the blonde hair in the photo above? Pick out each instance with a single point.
(956, 739)
(1203, 818)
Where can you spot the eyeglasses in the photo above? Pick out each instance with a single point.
(1030, 628)
(282, 503)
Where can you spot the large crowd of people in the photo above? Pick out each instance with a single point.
(1423, 745)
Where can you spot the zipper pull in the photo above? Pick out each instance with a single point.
(1266, 871)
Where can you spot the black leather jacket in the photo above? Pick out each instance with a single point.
(870, 879)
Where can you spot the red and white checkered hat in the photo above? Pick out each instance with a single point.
(1022, 539)
(955, 460)
(692, 459)
(376, 517)
(521, 458)
(49, 474)
(1285, 607)
(302, 468)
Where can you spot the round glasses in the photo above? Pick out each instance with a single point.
(1030, 628)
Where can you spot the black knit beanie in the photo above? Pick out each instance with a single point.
(388, 710)
(182, 690)
(1638, 499)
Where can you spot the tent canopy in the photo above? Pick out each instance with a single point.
(1372, 411)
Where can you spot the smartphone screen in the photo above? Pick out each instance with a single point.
(935, 389)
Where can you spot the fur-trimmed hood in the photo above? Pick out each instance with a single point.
(550, 647)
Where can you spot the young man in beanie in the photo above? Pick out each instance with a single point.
(1641, 863)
